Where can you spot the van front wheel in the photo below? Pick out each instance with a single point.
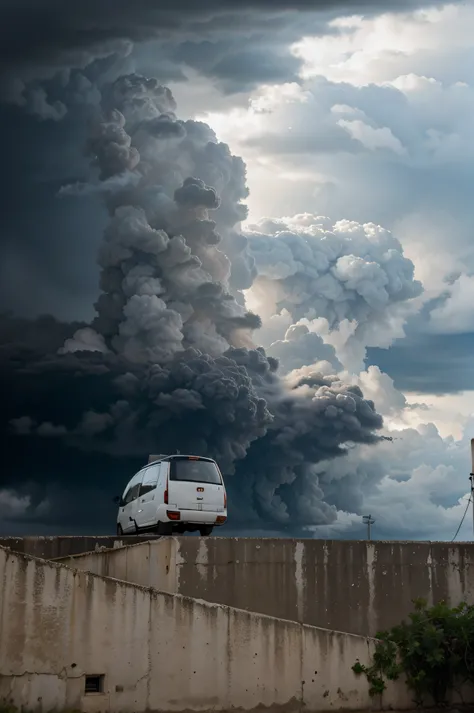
(205, 531)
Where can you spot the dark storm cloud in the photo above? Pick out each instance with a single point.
(111, 147)
(49, 246)
(50, 35)
(132, 409)
(89, 402)
(45, 334)
(280, 479)
(164, 127)
(49, 29)
(115, 412)
(169, 361)
(241, 62)
(154, 284)
(194, 192)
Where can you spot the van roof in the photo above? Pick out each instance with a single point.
(153, 459)
(182, 456)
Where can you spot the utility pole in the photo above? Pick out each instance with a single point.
(471, 478)
(369, 520)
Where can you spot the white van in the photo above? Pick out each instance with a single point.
(173, 494)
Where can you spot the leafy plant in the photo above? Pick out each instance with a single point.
(434, 650)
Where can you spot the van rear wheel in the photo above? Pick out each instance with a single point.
(205, 531)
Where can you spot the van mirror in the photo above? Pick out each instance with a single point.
(117, 500)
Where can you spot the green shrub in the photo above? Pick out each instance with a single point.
(434, 650)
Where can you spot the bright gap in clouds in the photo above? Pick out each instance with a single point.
(380, 49)
(450, 412)
(243, 129)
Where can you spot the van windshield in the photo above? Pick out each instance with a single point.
(196, 471)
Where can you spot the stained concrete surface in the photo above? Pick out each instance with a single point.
(163, 652)
(169, 652)
(359, 587)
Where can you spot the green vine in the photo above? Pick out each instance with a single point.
(434, 651)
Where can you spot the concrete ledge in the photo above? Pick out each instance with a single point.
(63, 546)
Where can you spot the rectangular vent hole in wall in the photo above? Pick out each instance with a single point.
(94, 683)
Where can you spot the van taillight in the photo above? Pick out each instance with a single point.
(225, 499)
(166, 491)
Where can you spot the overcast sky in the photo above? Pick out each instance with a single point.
(346, 110)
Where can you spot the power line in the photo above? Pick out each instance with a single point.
(462, 520)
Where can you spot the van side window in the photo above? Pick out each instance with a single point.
(128, 497)
(134, 490)
(150, 479)
(132, 493)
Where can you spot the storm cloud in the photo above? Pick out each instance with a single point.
(170, 361)
(49, 30)
(313, 269)
(301, 347)
(237, 46)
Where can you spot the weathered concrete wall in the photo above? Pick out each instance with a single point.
(359, 587)
(162, 652)
(62, 546)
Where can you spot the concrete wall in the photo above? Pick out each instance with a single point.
(62, 546)
(358, 587)
(162, 652)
